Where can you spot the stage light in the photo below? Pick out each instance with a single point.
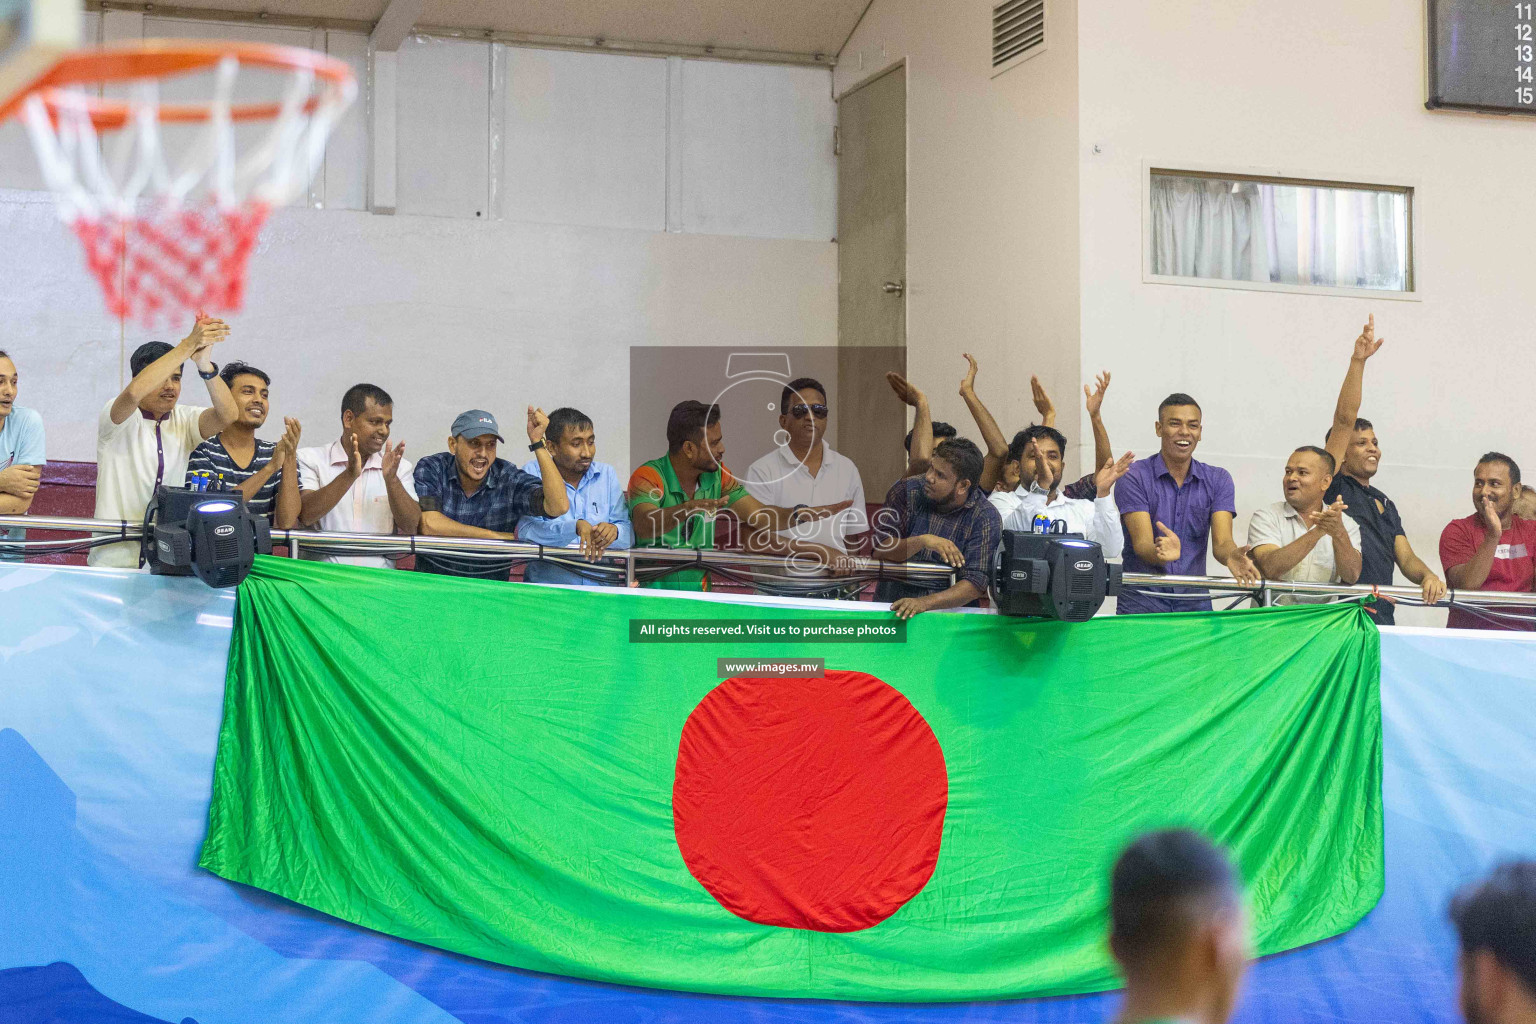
(1051, 575)
(190, 533)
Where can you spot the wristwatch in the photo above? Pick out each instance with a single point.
(211, 373)
(795, 519)
(536, 445)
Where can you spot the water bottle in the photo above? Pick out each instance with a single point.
(1040, 524)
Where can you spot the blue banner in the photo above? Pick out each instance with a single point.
(110, 697)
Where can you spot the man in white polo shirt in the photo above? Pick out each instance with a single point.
(359, 484)
(143, 437)
(805, 473)
(1300, 539)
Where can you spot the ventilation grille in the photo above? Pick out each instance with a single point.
(1018, 27)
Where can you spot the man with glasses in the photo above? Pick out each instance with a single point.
(673, 501)
(806, 472)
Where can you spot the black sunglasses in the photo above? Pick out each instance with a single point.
(802, 410)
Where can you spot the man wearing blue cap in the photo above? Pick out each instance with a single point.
(468, 492)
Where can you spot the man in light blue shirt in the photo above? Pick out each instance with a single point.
(598, 518)
(21, 454)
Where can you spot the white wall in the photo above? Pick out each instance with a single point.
(553, 209)
(1321, 89)
(992, 227)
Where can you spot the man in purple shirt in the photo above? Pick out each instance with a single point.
(1170, 506)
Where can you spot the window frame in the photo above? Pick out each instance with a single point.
(1268, 176)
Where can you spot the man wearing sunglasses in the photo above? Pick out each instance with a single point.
(805, 472)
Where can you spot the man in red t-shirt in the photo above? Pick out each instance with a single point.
(1492, 549)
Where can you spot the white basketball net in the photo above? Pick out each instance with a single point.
(167, 235)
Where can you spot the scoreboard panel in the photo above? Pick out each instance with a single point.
(1482, 55)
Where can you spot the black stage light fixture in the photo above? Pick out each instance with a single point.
(1052, 576)
(210, 535)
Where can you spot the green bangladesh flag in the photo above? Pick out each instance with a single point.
(501, 771)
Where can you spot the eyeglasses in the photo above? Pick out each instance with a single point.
(802, 410)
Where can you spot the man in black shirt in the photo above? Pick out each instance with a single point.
(1352, 443)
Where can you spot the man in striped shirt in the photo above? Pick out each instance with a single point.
(263, 472)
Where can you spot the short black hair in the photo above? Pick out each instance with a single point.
(689, 422)
(787, 396)
(1511, 464)
(144, 355)
(1163, 882)
(941, 431)
(562, 418)
(1034, 432)
(1498, 914)
(1361, 423)
(963, 456)
(1322, 453)
(357, 396)
(232, 370)
(1177, 398)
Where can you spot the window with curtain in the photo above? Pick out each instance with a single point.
(1284, 232)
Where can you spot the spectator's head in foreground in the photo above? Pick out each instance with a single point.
(1178, 426)
(695, 437)
(1177, 928)
(163, 399)
(952, 473)
(1496, 921)
(366, 413)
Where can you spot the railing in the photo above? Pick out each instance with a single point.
(623, 565)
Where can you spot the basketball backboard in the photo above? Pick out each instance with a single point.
(34, 34)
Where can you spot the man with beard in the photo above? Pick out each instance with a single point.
(1492, 549)
(1301, 540)
(1170, 506)
(144, 438)
(1496, 922)
(598, 517)
(1352, 443)
(942, 517)
(1097, 520)
(468, 492)
(359, 484)
(1177, 930)
(673, 501)
(262, 471)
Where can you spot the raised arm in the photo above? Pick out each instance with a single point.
(147, 381)
(1043, 404)
(556, 502)
(991, 433)
(1347, 409)
(1093, 398)
(921, 449)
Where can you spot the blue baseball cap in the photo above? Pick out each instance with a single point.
(476, 423)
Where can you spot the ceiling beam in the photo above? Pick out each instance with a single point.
(394, 25)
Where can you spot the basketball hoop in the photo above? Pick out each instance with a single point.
(165, 235)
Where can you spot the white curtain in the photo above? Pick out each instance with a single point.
(1284, 234)
(1202, 227)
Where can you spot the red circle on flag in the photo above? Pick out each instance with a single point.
(809, 803)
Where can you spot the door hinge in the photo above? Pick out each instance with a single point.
(837, 141)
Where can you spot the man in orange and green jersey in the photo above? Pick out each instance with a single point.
(673, 501)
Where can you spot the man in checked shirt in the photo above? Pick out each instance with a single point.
(943, 516)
